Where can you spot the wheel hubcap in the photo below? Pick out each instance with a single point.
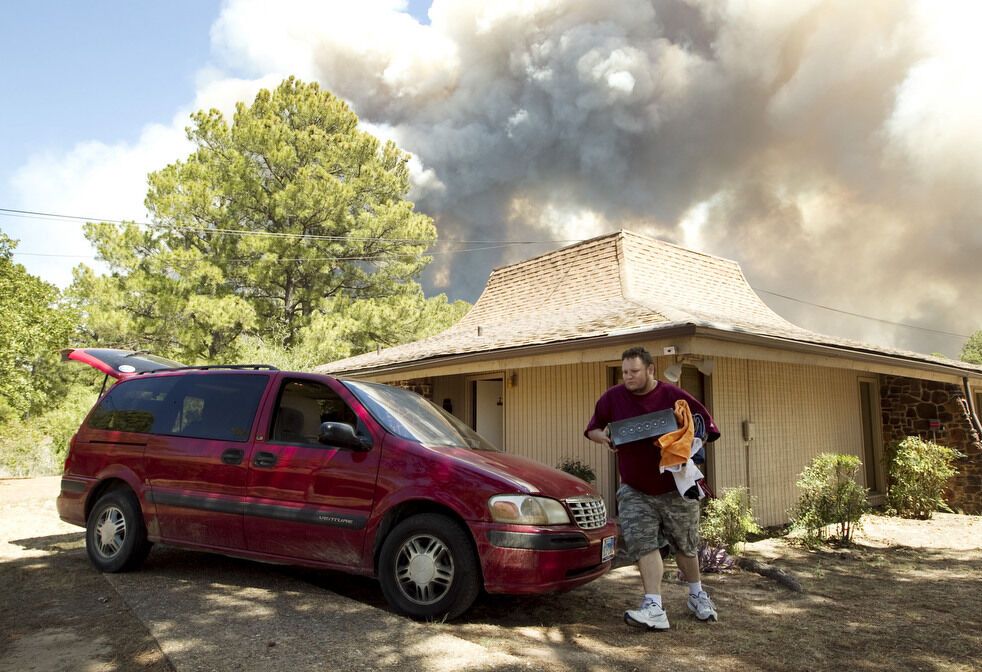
(424, 569)
(110, 531)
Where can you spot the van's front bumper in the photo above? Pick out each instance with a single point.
(524, 559)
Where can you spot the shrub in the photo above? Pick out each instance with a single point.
(579, 469)
(37, 445)
(918, 472)
(830, 496)
(728, 520)
(713, 559)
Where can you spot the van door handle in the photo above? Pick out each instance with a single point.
(264, 459)
(233, 456)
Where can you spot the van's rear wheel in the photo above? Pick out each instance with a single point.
(115, 535)
(428, 568)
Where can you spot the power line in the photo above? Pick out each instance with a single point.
(864, 317)
(34, 214)
(378, 257)
(491, 244)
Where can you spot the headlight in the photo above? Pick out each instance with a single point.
(527, 510)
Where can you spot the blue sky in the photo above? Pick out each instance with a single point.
(95, 70)
(76, 72)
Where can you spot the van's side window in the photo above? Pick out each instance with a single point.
(136, 406)
(303, 406)
(217, 406)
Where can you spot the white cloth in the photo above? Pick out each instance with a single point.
(686, 475)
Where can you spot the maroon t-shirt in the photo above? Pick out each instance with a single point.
(638, 461)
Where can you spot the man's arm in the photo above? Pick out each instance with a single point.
(596, 429)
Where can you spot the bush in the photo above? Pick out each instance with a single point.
(37, 445)
(728, 520)
(830, 496)
(918, 472)
(579, 469)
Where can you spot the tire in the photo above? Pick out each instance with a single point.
(428, 568)
(115, 534)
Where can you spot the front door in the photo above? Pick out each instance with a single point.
(306, 499)
(488, 410)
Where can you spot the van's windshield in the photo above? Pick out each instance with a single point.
(407, 414)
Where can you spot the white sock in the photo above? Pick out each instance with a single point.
(651, 597)
(695, 588)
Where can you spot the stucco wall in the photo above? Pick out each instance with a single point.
(546, 411)
(798, 412)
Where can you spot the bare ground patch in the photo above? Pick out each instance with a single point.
(905, 596)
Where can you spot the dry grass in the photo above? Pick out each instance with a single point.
(906, 595)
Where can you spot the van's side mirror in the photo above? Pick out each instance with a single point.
(342, 434)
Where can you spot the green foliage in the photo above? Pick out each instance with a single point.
(34, 326)
(728, 520)
(37, 445)
(579, 469)
(972, 350)
(830, 496)
(919, 471)
(330, 262)
(349, 327)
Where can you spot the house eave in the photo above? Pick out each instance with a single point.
(835, 351)
(631, 336)
(625, 336)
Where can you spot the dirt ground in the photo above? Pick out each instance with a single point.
(907, 595)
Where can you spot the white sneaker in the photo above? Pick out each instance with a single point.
(649, 616)
(702, 606)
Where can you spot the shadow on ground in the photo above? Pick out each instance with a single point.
(863, 608)
(58, 613)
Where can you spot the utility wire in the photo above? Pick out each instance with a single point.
(859, 315)
(33, 214)
(491, 244)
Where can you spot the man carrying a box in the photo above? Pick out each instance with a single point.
(651, 511)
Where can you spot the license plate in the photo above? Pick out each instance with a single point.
(608, 548)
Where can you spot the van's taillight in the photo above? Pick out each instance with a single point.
(71, 450)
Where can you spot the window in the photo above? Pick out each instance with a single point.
(212, 406)
(217, 406)
(303, 406)
(410, 416)
(134, 406)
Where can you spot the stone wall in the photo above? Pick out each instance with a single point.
(910, 405)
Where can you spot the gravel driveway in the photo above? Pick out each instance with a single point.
(906, 594)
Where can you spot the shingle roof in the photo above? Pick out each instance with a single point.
(601, 287)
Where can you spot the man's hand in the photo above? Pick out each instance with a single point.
(600, 436)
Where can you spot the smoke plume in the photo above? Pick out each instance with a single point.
(833, 148)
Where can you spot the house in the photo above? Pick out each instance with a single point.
(527, 363)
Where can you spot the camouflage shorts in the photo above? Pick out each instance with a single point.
(650, 522)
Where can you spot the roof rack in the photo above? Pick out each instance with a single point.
(209, 367)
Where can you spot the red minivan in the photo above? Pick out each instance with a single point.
(311, 470)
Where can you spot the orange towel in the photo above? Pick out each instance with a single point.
(676, 447)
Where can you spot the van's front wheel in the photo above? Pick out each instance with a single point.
(115, 535)
(428, 568)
